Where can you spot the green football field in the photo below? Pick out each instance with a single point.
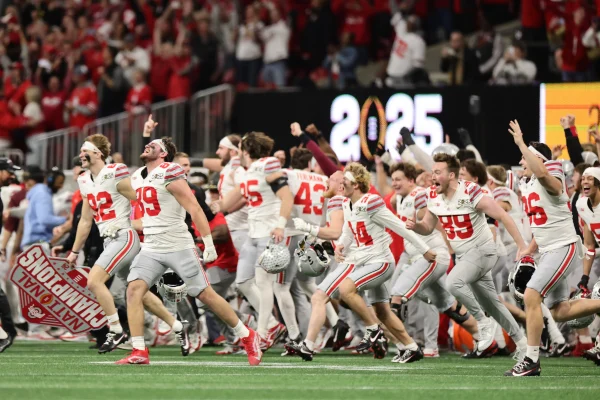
(49, 371)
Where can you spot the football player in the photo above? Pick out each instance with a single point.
(461, 207)
(106, 191)
(546, 204)
(164, 197)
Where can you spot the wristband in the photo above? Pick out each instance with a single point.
(314, 230)
(208, 241)
(590, 254)
(225, 213)
(281, 222)
(75, 252)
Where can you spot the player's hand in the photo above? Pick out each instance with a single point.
(72, 258)
(430, 255)
(210, 254)
(339, 257)
(56, 250)
(410, 224)
(296, 129)
(564, 122)
(312, 130)
(557, 151)
(515, 131)
(149, 126)
(215, 206)
(3, 255)
(571, 120)
(522, 252)
(277, 235)
(57, 231)
(583, 283)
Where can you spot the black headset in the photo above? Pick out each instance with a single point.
(52, 175)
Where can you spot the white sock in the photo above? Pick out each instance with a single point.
(287, 308)
(177, 326)
(113, 323)
(400, 346)
(112, 318)
(3, 334)
(499, 336)
(309, 344)
(553, 331)
(240, 330)
(372, 327)
(117, 328)
(412, 346)
(264, 282)
(533, 352)
(138, 343)
(585, 339)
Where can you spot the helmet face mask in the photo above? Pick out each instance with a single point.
(171, 287)
(312, 258)
(519, 278)
(275, 258)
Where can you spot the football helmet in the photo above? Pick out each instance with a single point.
(275, 258)
(520, 276)
(313, 260)
(596, 291)
(446, 148)
(171, 287)
(582, 322)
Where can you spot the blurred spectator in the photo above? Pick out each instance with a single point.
(575, 62)
(514, 68)
(53, 102)
(317, 34)
(341, 63)
(355, 15)
(591, 40)
(276, 39)
(112, 87)
(408, 52)
(224, 23)
(205, 47)
(248, 53)
(132, 57)
(139, 98)
(15, 86)
(459, 61)
(83, 102)
(33, 113)
(9, 122)
(182, 66)
(487, 44)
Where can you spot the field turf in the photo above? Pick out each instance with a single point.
(48, 371)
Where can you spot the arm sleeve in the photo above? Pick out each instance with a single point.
(421, 200)
(334, 205)
(173, 173)
(408, 157)
(384, 217)
(477, 153)
(121, 172)
(328, 166)
(272, 165)
(555, 169)
(574, 146)
(475, 193)
(422, 158)
(501, 194)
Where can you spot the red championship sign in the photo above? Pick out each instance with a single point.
(53, 293)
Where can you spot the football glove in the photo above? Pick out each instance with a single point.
(583, 283)
(304, 226)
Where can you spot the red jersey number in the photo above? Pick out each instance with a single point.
(304, 198)
(148, 201)
(360, 234)
(254, 198)
(457, 226)
(537, 215)
(101, 205)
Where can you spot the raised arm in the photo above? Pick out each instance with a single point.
(492, 209)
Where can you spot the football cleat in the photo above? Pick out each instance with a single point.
(380, 348)
(304, 352)
(525, 368)
(502, 352)
(136, 357)
(340, 330)
(369, 340)
(112, 341)
(291, 346)
(398, 356)
(226, 350)
(6, 343)
(184, 341)
(409, 356)
(251, 344)
(485, 353)
(590, 354)
(559, 350)
(431, 353)
(275, 333)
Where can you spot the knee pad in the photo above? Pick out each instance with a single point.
(455, 315)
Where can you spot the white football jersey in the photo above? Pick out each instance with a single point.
(263, 204)
(550, 218)
(465, 226)
(237, 220)
(499, 243)
(307, 189)
(108, 205)
(502, 193)
(407, 207)
(589, 216)
(163, 218)
(371, 239)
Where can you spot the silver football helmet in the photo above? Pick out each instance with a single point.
(520, 276)
(582, 322)
(171, 287)
(313, 260)
(446, 148)
(275, 258)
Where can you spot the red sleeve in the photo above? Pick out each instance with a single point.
(218, 220)
(7, 120)
(328, 166)
(146, 96)
(75, 200)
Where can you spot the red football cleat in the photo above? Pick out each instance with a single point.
(275, 333)
(136, 357)
(251, 344)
